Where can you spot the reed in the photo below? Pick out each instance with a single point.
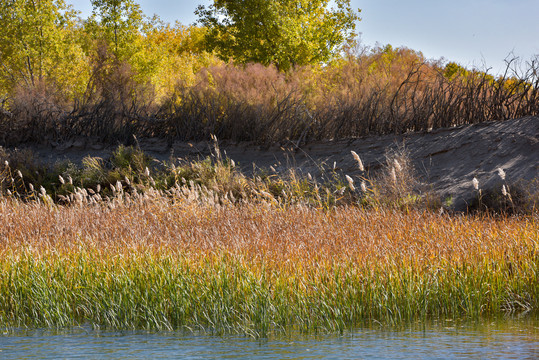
(256, 268)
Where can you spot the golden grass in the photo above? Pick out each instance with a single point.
(254, 268)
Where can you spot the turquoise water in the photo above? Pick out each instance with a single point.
(487, 340)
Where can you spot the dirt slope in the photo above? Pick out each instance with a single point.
(447, 159)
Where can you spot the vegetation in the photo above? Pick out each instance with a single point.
(200, 246)
(119, 74)
(126, 242)
(155, 262)
(130, 171)
(284, 33)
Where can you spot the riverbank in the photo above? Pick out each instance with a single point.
(443, 162)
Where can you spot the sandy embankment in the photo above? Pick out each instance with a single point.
(445, 159)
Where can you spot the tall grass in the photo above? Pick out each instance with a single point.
(129, 173)
(255, 268)
(201, 246)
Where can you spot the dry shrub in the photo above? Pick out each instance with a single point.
(115, 107)
(359, 96)
(36, 111)
(395, 91)
(381, 91)
(504, 198)
(117, 104)
(250, 102)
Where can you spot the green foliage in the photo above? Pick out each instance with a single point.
(121, 73)
(38, 42)
(117, 22)
(117, 31)
(285, 33)
(453, 70)
(179, 54)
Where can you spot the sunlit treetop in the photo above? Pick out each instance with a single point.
(284, 33)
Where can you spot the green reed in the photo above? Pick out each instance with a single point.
(220, 292)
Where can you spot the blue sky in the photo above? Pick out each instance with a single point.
(470, 32)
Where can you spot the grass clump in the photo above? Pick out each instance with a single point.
(505, 197)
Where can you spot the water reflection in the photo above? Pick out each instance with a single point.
(488, 340)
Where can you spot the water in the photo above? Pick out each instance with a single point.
(488, 340)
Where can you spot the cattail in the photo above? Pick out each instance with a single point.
(504, 190)
(501, 173)
(475, 183)
(358, 159)
(397, 165)
(393, 175)
(350, 182)
(363, 186)
(19, 173)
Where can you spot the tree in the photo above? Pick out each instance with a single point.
(284, 33)
(121, 32)
(37, 42)
(119, 24)
(181, 54)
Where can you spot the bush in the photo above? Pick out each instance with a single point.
(521, 197)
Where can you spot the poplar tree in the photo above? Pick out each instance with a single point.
(37, 42)
(284, 33)
(119, 23)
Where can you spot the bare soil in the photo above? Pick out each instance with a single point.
(445, 160)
